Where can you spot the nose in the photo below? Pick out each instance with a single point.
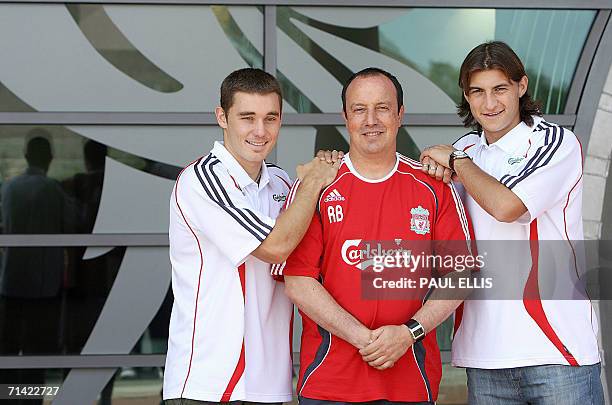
(371, 117)
(490, 101)
(260, 128)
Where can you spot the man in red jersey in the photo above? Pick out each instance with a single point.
(356, 349)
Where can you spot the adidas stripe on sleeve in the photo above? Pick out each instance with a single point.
(277, 269)
(553, 163)
(206, 196)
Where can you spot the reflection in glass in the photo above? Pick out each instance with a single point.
(61, 318)
(549, 43)
(51, 308)
(76, 168)
(433, 42)
(31, 279)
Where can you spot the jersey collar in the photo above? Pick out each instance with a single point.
(349, 165)
(516, 137)
(236, 171)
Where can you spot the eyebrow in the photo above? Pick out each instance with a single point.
(387, 102)
(496, 86)
(249, 113)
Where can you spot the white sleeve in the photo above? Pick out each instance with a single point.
(276, 269)
(552, 168)
(210, 202)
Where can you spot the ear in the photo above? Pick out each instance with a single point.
(401, 114)
(344, 117)
(523, 84)
(221, 117)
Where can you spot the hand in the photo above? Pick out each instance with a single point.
(435, 161)
(439, 153)
(363, 338)
(390, 343)
(319, 171)
(330, 156)
(437, 171)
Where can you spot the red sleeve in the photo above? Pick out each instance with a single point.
(305, 260)
(453, 234)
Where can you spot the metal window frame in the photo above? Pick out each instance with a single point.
(106, 361)
(584, 62)
(526, 4)
(82, 361)
(190, 119)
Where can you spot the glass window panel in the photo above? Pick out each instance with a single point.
(50, 298)
(320, 48)
(154, 339)
(95, 57)
(55, 300)
(97, 176)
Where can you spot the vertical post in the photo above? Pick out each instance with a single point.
(269, 56)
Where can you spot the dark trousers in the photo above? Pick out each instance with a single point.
(28, 327)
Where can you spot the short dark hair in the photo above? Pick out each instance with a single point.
(494, 55)
(38, 150)
(374, 71)
(248, 80)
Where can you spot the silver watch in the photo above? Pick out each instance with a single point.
(456, 154)
(416, 330)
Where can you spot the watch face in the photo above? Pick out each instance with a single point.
(416, 329)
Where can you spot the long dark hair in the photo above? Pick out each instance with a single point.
(494, 55)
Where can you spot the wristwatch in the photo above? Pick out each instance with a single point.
(456, 154)
(416, 330)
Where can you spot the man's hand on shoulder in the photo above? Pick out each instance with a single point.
(435, 162)
(319, 171)
(330, 156)
(390, 342)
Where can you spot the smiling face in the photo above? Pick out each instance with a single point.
(250, 127)
(372, 117)
(494, 101)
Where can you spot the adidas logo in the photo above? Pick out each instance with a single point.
(334, 196)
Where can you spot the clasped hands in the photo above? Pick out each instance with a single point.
(385, 346)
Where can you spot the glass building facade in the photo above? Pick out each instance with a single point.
(124, 95)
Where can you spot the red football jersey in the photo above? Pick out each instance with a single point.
(405, 205)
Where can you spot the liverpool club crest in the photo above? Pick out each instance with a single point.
(419, 223)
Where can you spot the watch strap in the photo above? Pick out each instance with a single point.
(416, 330)
(456, 154)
